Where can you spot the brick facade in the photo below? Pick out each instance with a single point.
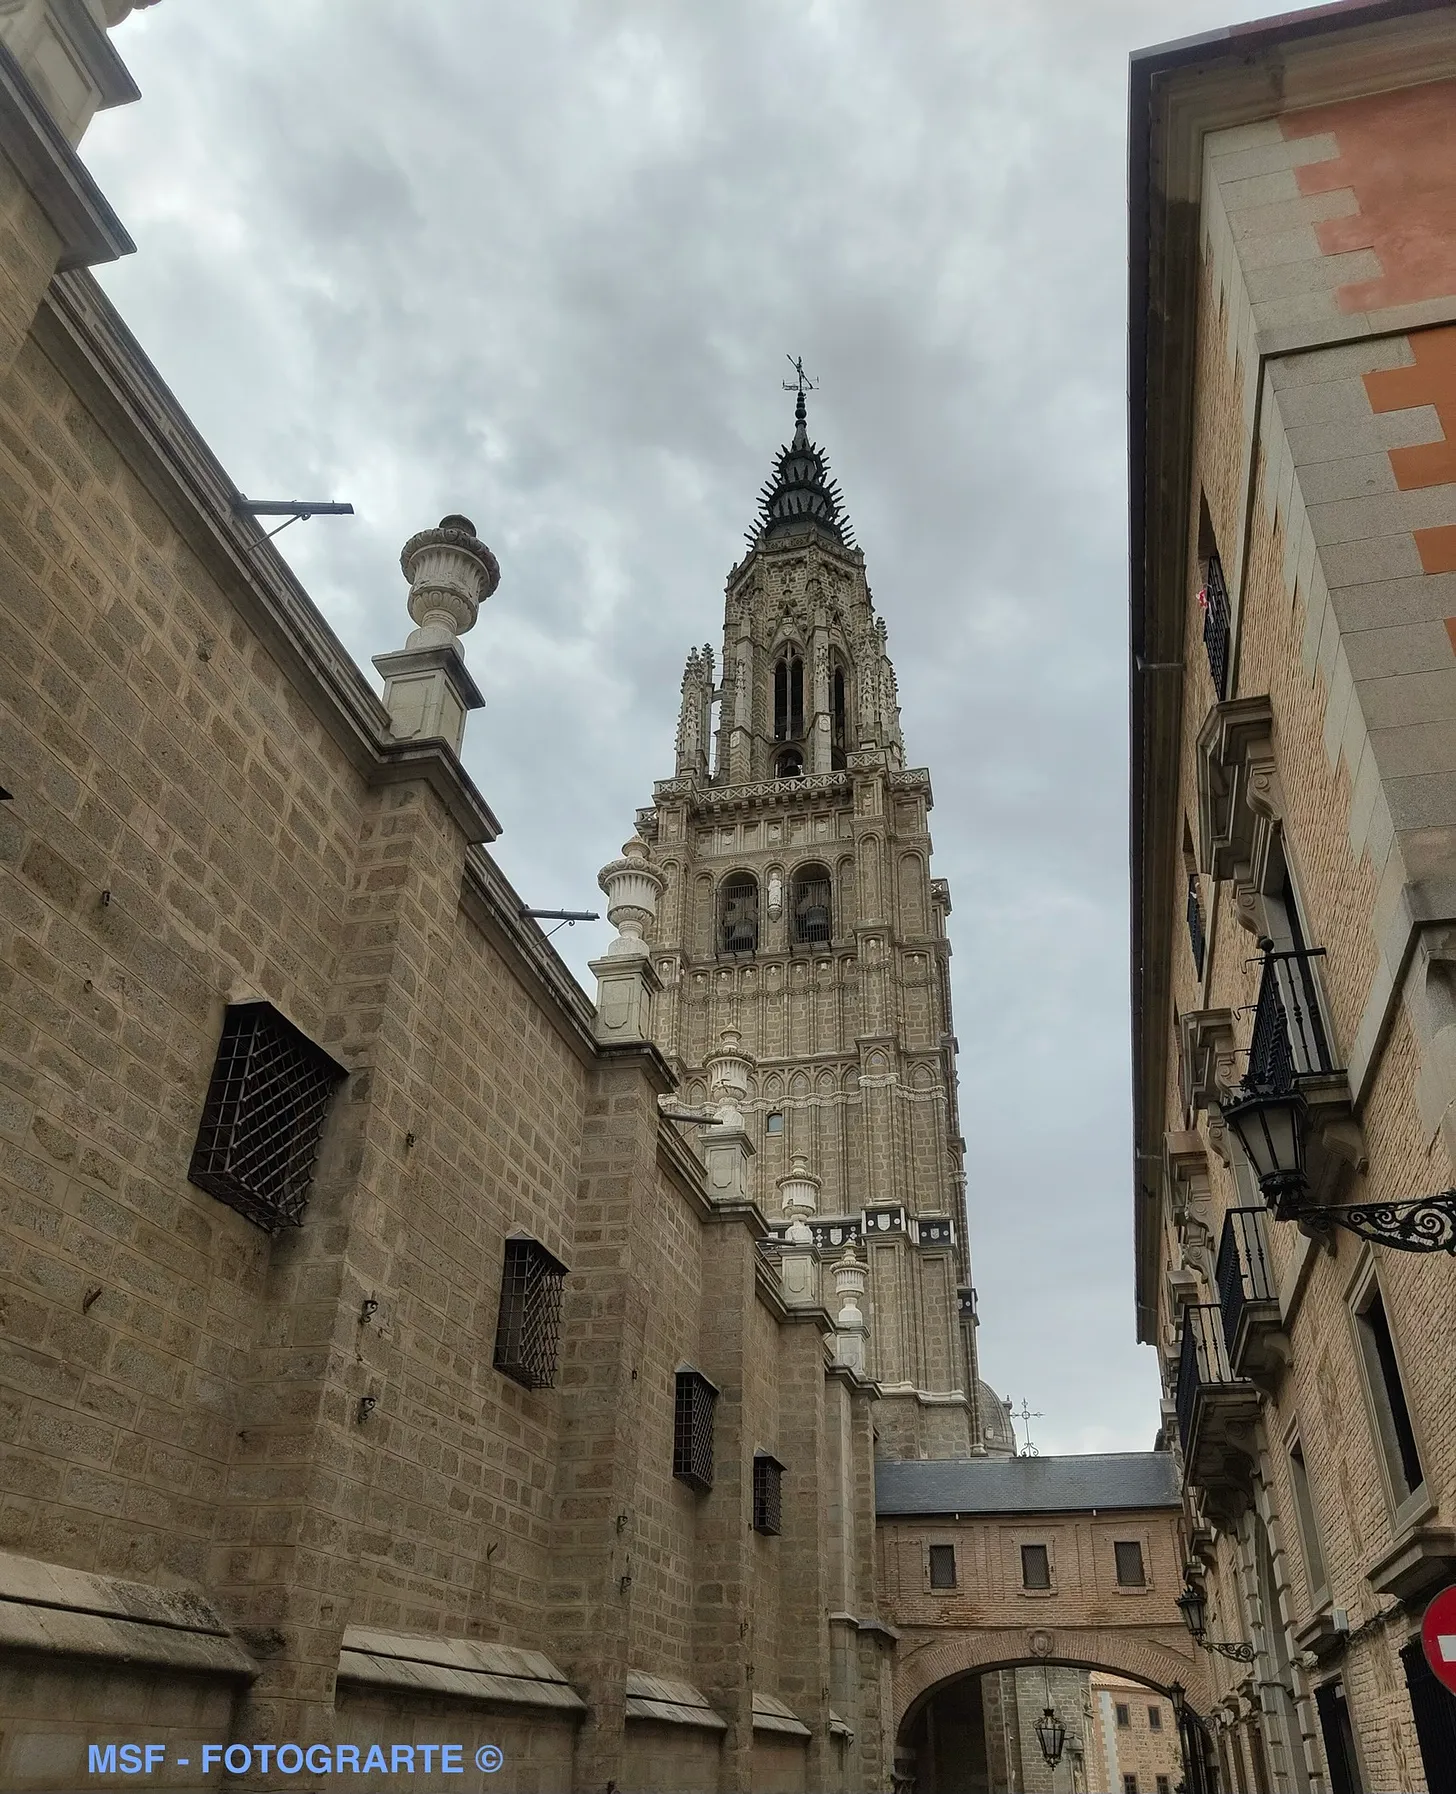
(1294, 373)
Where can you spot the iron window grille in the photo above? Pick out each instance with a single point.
(768, 1494)
(1289, 1039)
(1217, 627)
(1128, 1557)
(813, 911)
(528, 1330)
(738, 913)
(263, 1117)
(1036, 1568)
(692, 1432)
(1197, 940)
(942, 1566)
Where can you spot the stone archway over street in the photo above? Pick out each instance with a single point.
(992, 1564)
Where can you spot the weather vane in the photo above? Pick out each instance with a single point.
(1026, 1414)
(803, 384)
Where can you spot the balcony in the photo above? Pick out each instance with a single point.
(1247, 1298)
(1216, 1412)
(1195, 924)
(1216, 624)
(1289, 1041)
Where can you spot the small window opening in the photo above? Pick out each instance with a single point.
(768, 1507)
(812, 894)
(738, 914)
(838, 721)
(528, 1328)
(692, 1433)
(1124, 1716)
(1397, 1434)
(1155, 1719)
(790, 765)
(788, 697)
(1129, 1556)
(773, 1122)
(263, 1117)
(942, 1566)
(1036, 1569)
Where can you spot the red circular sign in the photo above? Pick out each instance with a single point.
(1438, 1637)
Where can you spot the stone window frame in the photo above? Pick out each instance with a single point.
(940, 1588)
(1045, 1542)
(1306, 1519)
(1143, 1540)
(1408, 1510)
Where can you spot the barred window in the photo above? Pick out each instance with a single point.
(942, 1566)
(811, 906)
(738, 913)
(1129, 1556)
(1036, 1569)
(528, 1331)
(263, 1117)
(692, 1433)
(768, 1504)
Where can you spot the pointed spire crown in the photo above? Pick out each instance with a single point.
(801, 490)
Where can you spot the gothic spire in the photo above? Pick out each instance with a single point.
(801, 491)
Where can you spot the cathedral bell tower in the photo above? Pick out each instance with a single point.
(799, 918)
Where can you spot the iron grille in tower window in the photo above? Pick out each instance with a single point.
(768, 1493)
(263, 1117)
(1214, 599)
(528, 1331)
(692, 1433)
(813, 916)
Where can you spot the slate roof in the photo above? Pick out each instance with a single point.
(1113, 1480)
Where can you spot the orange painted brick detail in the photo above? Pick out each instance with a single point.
(1451, 631)
(1431, 381)
(1398, 155)
(1437, 548)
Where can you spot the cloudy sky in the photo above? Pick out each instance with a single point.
(541, 261)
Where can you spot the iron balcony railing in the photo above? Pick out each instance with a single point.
(1289, 1040)
(1216, 624)
(1202, 1362)
(1243, 1272)
(1196, 938)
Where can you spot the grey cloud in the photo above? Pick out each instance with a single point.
(541, 262)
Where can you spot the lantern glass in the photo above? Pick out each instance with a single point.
(1270, 1128)
(1194, 1608)
(1051, 1735)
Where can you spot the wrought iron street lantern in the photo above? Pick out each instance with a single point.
(1270, 1126)
(1193, 1605)
(1051, 1735)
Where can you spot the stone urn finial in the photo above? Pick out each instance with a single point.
(632, 888)
(451, 574)
(850, 1275)
(729, 1070)
(799, 1198)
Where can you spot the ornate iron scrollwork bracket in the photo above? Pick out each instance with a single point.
(1236, 1653)
(1420, 1224)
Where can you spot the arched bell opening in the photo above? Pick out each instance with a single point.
(788, 688)
(789, 765)
(738, 914)
(811, 907)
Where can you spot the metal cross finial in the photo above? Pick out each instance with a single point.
(803, 383)
(1026, 1415)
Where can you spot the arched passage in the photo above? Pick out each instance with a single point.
(957, 1713)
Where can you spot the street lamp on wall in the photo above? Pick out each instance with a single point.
(1051, 1735)
(1193, 1605)
(1271, 1126)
